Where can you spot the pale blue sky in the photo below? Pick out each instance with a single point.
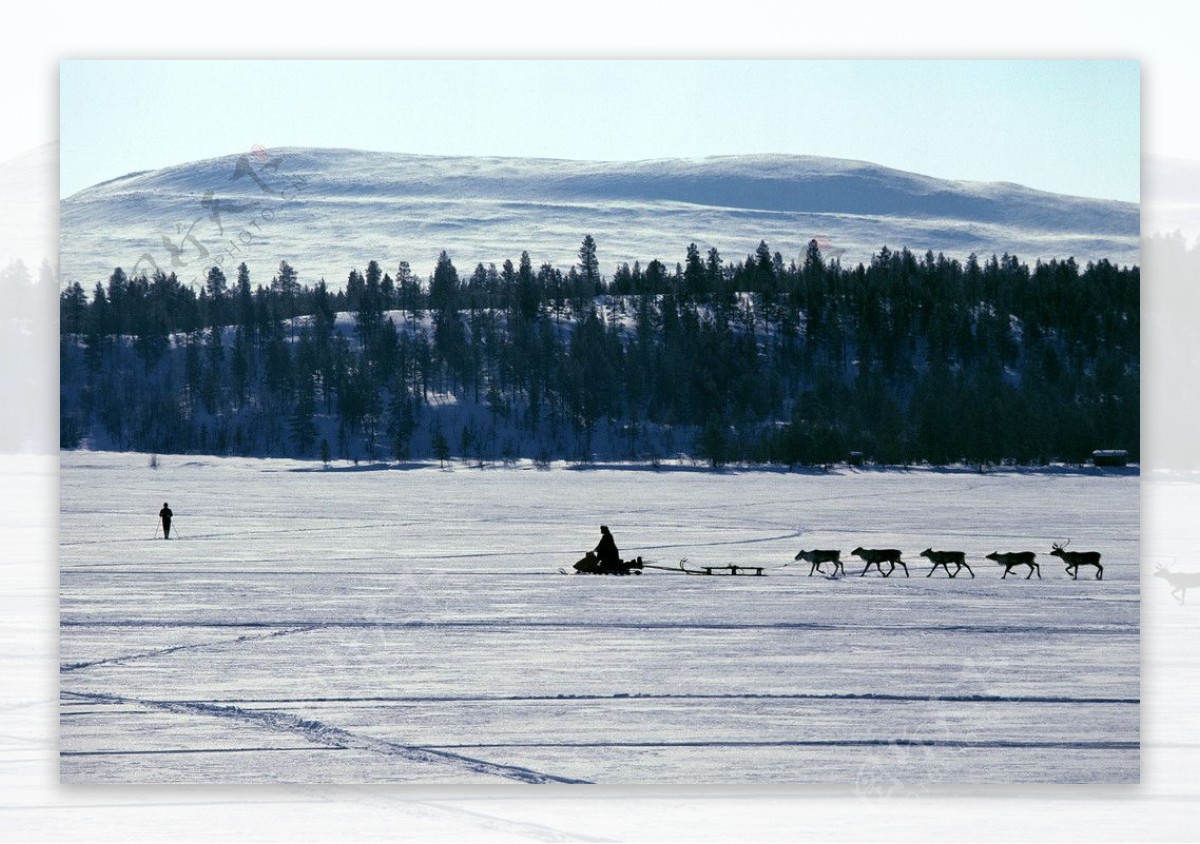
(1065, 126)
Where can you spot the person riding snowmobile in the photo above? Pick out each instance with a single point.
(607, 551)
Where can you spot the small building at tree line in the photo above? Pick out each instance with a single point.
(1110, 457)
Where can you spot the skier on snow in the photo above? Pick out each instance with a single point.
(165, 514)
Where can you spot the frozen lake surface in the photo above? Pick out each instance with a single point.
(411, 625)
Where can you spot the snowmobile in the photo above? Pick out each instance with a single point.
(591, 564)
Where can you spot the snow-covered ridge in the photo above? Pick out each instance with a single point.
(749, 182)
(333, 209)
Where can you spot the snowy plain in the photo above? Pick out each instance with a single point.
(410, 625)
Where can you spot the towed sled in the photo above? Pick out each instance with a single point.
(753, 571)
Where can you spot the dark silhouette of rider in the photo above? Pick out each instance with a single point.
(165, 514)
(607, 551)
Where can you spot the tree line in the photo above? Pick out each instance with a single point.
(906, 359)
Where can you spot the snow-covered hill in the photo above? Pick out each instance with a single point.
(329, 210)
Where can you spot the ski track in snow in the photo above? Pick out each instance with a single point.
(330, 736)
(117, 660)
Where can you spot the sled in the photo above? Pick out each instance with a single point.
(716, 571)
(728, 571)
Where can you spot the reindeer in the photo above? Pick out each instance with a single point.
(1180, 581)
(944, 558)
(1013, 559)
(875, 556)
(1075, 559)
(819, 557)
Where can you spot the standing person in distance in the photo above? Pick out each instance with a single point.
(165, 514)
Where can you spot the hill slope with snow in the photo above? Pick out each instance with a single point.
(326, 211)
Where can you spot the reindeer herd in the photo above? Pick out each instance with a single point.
(945, 559)
(1179, 582)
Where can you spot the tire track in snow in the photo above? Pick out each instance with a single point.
(998, 744)
(1110, 628)
(721, 509)
(635, 697)
(326, 735)
(176, 572)
(751, 505)
(183, 751)
(466, 555)
(791, 534)
(239, 535)
(67, 667)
